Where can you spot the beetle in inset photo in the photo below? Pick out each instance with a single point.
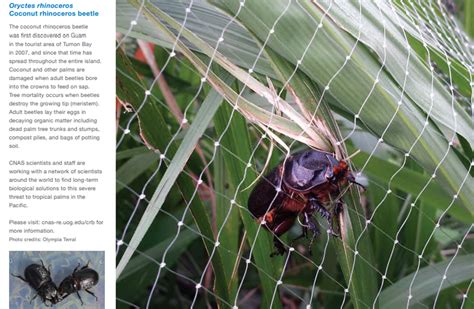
(307, 182)
(39, 278)
(83, 279)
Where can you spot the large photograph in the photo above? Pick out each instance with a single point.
(294, 154)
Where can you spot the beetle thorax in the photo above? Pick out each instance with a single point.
(303, 174)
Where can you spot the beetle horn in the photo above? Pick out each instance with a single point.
(351, 179)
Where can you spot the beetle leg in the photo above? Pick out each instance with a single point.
(313, 227)
(96, 299)
(337, 210)
(36, 295)
(280, 229)
(20, 277)
(311, 224)
(316, 206)
(75, 269)
(86, 266)
(82, 303)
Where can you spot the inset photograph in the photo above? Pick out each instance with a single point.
(62, 279)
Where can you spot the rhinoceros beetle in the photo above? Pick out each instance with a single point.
(307, 182)
(82, 279)
(39, 278)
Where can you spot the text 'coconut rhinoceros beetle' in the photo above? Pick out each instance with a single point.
(82, 279)
(306, 182)
(39, 278)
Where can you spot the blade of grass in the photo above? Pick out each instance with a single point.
(412, 182)
(352, 85)
(467, 301)
(385, 216)
(130, 153)
(162, 137)
(133, 168)
(469, 18)
(139, 262)
(459, 73)
(419, 226)
(240, 49)
(427, 283)
(172, 104)
(229, 235)
(238, 142)
(346, 15)
(417, 232)
(291, 127)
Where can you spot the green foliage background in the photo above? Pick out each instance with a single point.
(160, 160)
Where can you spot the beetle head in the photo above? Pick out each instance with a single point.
(67, 286)
(341, 173)
(50, 293)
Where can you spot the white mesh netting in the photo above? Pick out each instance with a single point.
(390, 82)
